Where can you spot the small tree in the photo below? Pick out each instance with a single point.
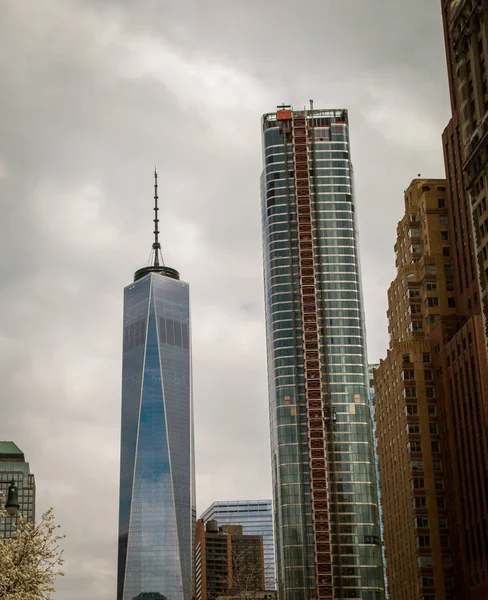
(30, 559)
(247, 568)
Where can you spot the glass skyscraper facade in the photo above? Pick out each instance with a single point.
(371, 368)
(256, 518)
(14, 467)
(327, 534)
(157, 502)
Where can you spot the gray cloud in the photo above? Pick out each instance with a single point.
(93, 95)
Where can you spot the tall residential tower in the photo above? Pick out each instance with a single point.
(328, 541)
(409, 421)
(157, 492)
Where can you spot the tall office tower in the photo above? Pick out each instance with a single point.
(227, 561)
(157, 501)
(328, 541)
(371, 368)
(256, 518)
(408, 417)
(13, 467)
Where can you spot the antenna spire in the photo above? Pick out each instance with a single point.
(155, 263)
(156, 245)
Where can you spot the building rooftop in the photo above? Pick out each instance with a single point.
(10, 450)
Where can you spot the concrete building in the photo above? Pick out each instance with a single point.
(256, 518)
(327, 533)
(227, 562)
(13, 466)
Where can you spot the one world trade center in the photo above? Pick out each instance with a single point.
(157, 491)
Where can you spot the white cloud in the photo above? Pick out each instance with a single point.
(401, 119)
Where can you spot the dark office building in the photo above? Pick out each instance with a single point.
(227, 562)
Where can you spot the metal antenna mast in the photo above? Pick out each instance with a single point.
(156, 264)
(156, 245)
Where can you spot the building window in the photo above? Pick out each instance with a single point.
(409, 392)
(429, 269)
(439, 484)
(437, 465)
(423, 541)
(451, 302)
(446, 560)
(441, 203)
(424, 562)
(446, 251)
(435, 446)
(426, 357)
(431, 302)
(416, 465)
(418, 483)
(434, 429)
(422, 522)
(427, 581)
(443, 220)
(428, 374)
(444, 235)
(413, 428)
(414, 446)
(420, 502)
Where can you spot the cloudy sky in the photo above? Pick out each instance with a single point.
(93, 94)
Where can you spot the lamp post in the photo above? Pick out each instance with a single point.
(12, 505)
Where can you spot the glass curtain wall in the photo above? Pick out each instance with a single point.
(157, 503)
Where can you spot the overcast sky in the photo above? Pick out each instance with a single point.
(93, 94)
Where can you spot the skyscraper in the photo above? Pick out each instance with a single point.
(409, 421)
(328, 541)
(256, 518)
(157, 492)
(14, 467)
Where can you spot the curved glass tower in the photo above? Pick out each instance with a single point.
(328, 541)
(157, 501)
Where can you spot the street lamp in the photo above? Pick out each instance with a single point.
(12, 505)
